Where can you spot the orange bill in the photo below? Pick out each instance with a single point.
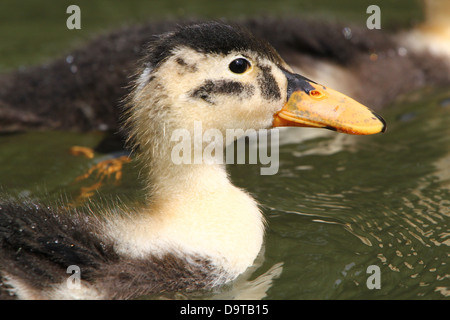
(313, 105)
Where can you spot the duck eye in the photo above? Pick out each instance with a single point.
(239, 65)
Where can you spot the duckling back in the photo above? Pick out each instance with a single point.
(39, 244)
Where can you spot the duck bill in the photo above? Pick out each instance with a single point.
(312, 105)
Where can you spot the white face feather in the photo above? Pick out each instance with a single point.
(194, 86)
(143, 78)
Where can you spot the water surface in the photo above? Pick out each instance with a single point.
(338, 204)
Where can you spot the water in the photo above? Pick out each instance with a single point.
(33, 32)
(343, 203)
(338, 204)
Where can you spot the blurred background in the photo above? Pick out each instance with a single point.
(33, 31)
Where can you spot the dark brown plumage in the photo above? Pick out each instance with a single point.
(38, 244)
(83, 89)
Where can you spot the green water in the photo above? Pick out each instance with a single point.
(381, 200)
(35, 31)
(338, 204)
(343, 203)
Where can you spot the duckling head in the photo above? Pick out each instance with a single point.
(213, 73)
(225, 78)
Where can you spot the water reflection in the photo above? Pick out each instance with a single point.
(342, 203)
(337, 205)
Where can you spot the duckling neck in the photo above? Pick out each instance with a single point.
(195, 211)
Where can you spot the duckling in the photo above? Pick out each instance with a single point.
(197, 230)
(83, 89)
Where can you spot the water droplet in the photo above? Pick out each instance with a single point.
(402, 51)
(73, 69)
(103, 127)
(347, 32)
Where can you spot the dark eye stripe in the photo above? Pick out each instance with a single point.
(268, 85)
(214, 87)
